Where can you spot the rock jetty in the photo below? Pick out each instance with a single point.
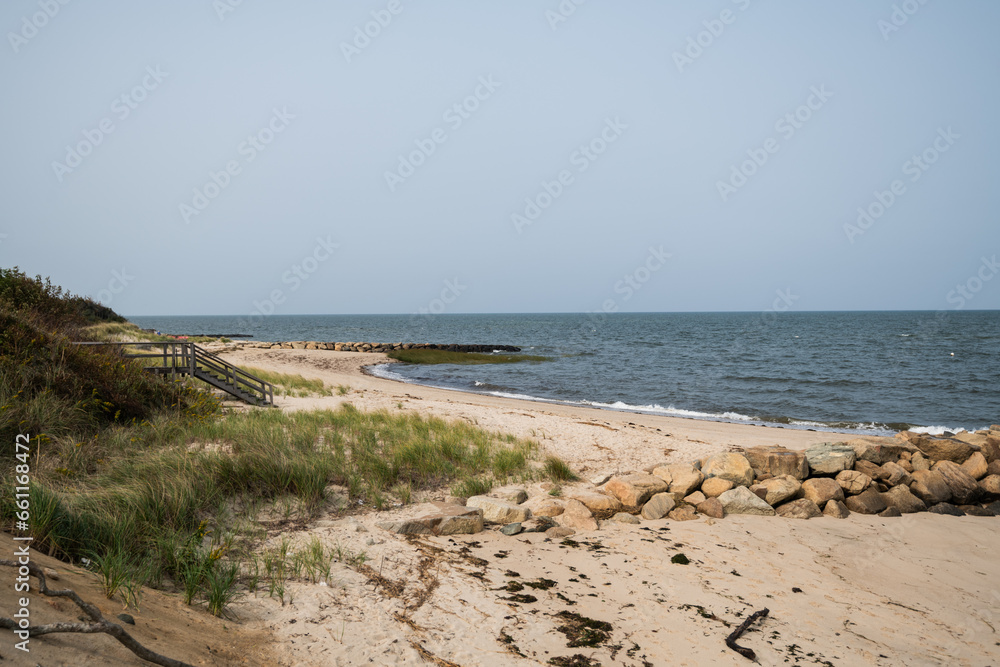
(373, 347)
(955, 475)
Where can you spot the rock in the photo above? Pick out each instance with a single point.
(512, 494)
(991, 448)
(964, 489)
(990, 485)
(777, 490)
(868, 501)
(595, 502)
(890, 512)
(836, 509)
(905, 465)
(821, 490)
(499, 511)
(658, 506)
(455, 500)
(919, 462)
(437, 518)
(777, 461)
(853, 482)
(900, 498)
(559, 532)
(945, 508)
(713, 487)
(803, 508)
(634, 490)
(994, 507)
(695, 498)
(879, 450)
(993, 468)
(712, 507)
(930, 486)
(544, 506)
(683, 513)
(512, 529)
(943, 449)
(50, 573)
(538, 524)
(829, 458)
(685, 478)
(976, 466)
(741, 500)
(869, 468)
(731, 466)
(126, 618)
(894, 474)
(577, 516)
(625, 517)
(976, 510)
(662, 471)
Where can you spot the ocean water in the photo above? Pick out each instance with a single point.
(872, 372)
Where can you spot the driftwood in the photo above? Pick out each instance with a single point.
(735, 634)
(99, 624)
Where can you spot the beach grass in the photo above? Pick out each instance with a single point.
(425, 356)
(291, 384)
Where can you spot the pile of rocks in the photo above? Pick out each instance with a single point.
(373, 347)
(908, 473)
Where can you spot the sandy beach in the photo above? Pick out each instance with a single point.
(916, 590)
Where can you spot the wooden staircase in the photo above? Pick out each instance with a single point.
(180, 358)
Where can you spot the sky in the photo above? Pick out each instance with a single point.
(236, 157)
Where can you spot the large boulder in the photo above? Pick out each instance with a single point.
(683, 513)
(894, 474)
(990, 485)
(741, 500)
(730, 466)
(870, 469)
(853, 482)
(577, 516)
(499, 511)
(777, 490)
(919, 462)
(930, 486)
(879, 450)
(712, 508)
(713, 487)
(943, 449)
(964, 489)
(512, 494)
(594, 501)
(901, 498)
(836, 509)
(976, 465)
(436, 518)
(829, 458)
(683, 478)
(821, 490)
(634, 490)
(991, 448)
(803, 508)
(869, 501)
(778, 461)
(658, 506)
(544, 506)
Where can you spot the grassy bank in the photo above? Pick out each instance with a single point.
(466, 358)
(152, 483)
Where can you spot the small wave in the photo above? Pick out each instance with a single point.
(383, 371)
(905, 335)
(671, 410)
(936, 430)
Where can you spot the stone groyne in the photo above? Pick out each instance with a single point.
(374, 347)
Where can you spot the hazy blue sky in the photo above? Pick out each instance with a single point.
(400, 169)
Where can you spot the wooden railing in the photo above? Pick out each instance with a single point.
(181, 358)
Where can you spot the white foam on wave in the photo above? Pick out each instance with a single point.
(936, 430)
(382, 371)
(671, 410)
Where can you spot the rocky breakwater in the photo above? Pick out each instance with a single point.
(373, 347)
(886, 476)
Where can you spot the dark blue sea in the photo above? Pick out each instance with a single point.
(872, 372)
